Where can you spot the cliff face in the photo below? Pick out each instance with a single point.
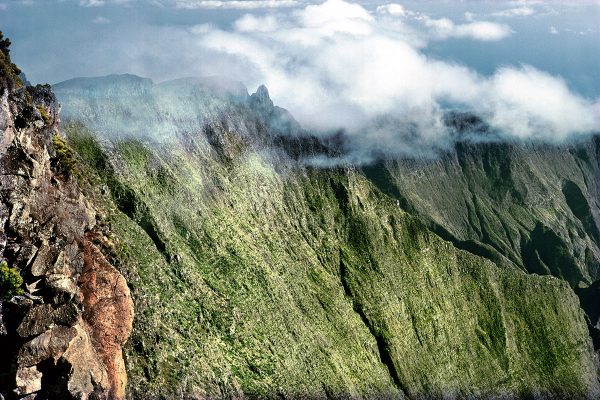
(526, 206)
(255, 275)
(61, 334)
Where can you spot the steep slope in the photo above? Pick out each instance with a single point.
(531, 206)
(67, 311)
(254, 275)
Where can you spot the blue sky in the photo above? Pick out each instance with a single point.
(56, 40)
(351, 60)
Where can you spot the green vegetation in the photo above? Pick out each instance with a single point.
(10, 281)
(520, 207)
(259, 277)
(9, 72)
(44, 114)
(65, 157)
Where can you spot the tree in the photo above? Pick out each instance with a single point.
(10, 282)
(9, 72)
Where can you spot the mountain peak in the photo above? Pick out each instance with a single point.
(261, 97)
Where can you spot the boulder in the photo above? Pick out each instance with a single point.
(28, 381)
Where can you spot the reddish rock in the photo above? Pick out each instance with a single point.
(108, 311)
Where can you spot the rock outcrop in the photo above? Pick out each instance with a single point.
(62, 337)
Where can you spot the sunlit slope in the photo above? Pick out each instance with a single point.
(255, 275)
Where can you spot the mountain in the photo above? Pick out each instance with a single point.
(525, 206)
(251, 273)
(257, 275)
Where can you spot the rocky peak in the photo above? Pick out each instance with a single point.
(61, 335)
(261, 98)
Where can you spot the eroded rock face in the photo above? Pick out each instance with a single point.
(109, 308)
(62, 338)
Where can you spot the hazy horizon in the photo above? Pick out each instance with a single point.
(529, 67)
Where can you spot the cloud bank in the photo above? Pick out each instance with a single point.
(234, 4)
(338, 65)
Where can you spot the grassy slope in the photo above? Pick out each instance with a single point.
(532, 207)
(255, 276)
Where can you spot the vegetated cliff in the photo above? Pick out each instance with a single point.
(531, 206)
(254, 275)
(65, 311)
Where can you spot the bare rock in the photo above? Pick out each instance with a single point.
(44, 219)
(36, 321)
(41, 318)
(46, 256)
(29, 380)
(50, 344)
(88, 374)
(109, 311)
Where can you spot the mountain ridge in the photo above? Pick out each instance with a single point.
(232, 204)
(254, 274)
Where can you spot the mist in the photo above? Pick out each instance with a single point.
(338, 65)
(368, 70)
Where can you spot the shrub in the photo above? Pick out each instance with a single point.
(44, 114)
(65, 157)
(10, 282)
(9, 73)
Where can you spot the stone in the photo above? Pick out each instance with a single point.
(37, 320)
(44, 217)
(109, 312)
(60, 283)
(40, 318)
(50, 344)
(32, 287)
(3, 330)
(32, 396)
(46, 256)
(28, 380)
(87, 371)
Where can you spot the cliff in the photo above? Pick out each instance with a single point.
(68, 312)
(257, 276)
(254, 275)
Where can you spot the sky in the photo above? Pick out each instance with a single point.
(531, 67)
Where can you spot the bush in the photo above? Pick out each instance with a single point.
(44, 114)
(65, 157)
(9, 73)
(10, 282)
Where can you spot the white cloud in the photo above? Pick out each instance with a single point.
(91, 3)
(100, 3)
(235, 4)
(528, 102)
(523, 11)
(469, 16)
(553, 30)
(251, 23)
(392, 9)
(335, 64)
(101, 20)
(444, 28)
(527, 2)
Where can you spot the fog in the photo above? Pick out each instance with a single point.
(368, 70)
